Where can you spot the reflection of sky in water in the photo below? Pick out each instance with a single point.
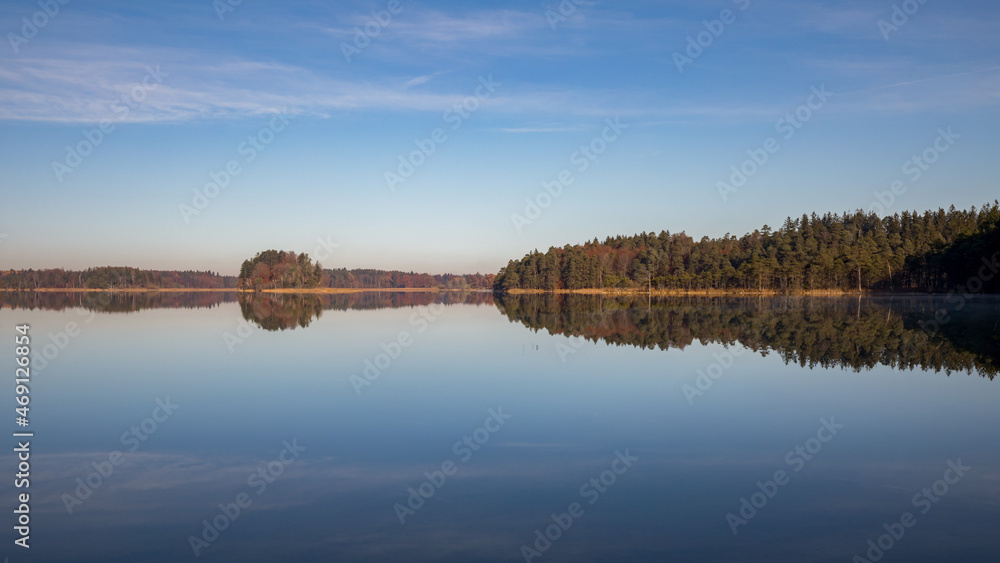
(567, 420)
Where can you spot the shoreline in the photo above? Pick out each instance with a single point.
(605, 292)
(720, 292)
(321, 290)
(136, 290)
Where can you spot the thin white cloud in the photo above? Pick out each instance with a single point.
(83, 89)
(919, 80)
(424, 79)
(417, 81)
(839, 19)
(79, 82)
(424, 26)
(539, 129)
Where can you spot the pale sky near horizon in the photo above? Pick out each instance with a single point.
(334, 98)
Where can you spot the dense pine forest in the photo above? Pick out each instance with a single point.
(112, 277)
(939, 250)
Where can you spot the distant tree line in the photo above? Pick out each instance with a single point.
(276, 269)
(270, 269)
(934, 251)
(394, 279)
(113, 277)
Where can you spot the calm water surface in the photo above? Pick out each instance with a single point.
(410, 427)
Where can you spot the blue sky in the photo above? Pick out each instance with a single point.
(180, 89)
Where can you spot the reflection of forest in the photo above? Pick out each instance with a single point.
(283, 311)
(274, 311)
(823, 331)
(113, 301)
(904, 332)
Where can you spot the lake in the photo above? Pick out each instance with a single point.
(463, 427)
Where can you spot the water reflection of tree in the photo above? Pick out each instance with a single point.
(284, 311)
(281, 312)
(826, 332)
(272, 311)
(113, 301)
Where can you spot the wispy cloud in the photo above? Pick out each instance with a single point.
(436, 28)
(83, 89)
(932, 78)
(79, 82)
(539, 129)
(839, 19)
(424, 79)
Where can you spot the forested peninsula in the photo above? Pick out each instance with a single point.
(936, 251)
